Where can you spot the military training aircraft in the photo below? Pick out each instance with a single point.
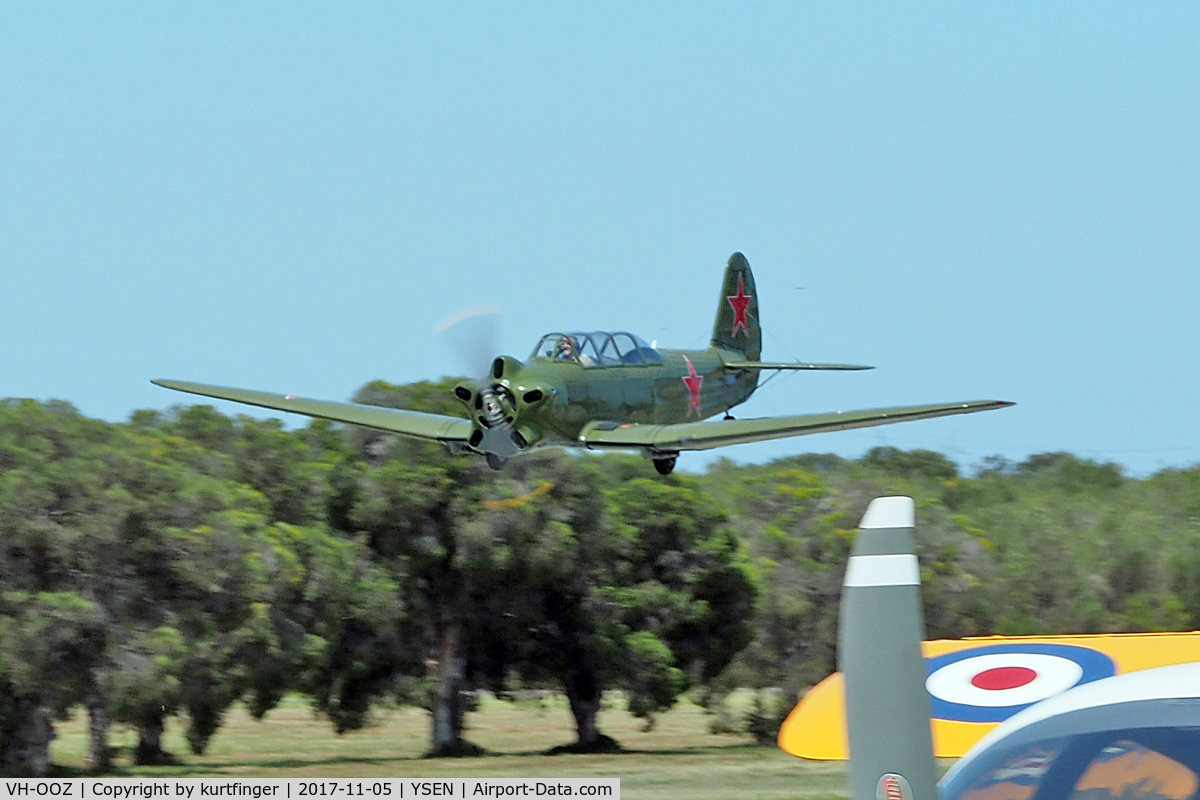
(1134, 736)
(610, 390)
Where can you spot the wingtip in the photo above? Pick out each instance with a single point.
(172, 384)
(988, 405)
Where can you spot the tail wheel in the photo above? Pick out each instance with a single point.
(664, 465)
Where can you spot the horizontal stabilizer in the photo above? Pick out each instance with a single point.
(707, 435)
(761, 365)
(434, 427)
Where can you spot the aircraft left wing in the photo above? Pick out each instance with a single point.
(707, 435)
(966, 707)
(434, 427)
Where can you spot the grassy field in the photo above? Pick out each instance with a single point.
(680, 758)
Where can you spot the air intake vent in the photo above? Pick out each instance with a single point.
(532, 396)
(498, 368)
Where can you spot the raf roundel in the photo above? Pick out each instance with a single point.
(993, 682)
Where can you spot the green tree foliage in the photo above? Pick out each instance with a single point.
(632, 584)
(185, 561)
(1055, 544)
(414, 504)
(48, 643)
(334, 632)
(196, 597)
(53, 629)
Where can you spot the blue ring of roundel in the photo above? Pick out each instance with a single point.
(1095, 665)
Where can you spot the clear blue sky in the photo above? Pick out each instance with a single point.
(983, 200)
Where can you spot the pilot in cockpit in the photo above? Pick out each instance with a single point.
(565, 350)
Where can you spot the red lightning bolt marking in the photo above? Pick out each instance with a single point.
(739, 302)
(693, 383)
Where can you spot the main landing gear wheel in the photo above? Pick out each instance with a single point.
(664, 465)
(494, 461)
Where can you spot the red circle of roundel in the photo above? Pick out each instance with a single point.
(998, 678)
(993, 682)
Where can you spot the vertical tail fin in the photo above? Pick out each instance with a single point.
(879, 650)
(737, 326)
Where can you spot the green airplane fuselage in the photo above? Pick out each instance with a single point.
(550, 401)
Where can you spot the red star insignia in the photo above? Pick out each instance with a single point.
(739, 302)
(693, 383)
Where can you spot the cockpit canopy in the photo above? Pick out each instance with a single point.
(1131, 737)
(1125, 764)
(596, 349)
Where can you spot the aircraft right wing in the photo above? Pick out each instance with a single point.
(783, 365)
(434, 427)
(707, 435)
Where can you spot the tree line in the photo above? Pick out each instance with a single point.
(185, 561)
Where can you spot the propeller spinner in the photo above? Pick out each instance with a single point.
(500, 417)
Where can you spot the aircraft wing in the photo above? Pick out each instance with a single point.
(963, 709)
(434, 427)
(707, 435)
(762, 365)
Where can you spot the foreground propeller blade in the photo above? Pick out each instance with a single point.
(471, 335)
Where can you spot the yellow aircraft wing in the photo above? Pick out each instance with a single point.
(707, 435)
(974, 684)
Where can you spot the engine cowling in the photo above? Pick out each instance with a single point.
(500, 407)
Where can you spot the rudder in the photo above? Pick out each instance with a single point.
(737, 327)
